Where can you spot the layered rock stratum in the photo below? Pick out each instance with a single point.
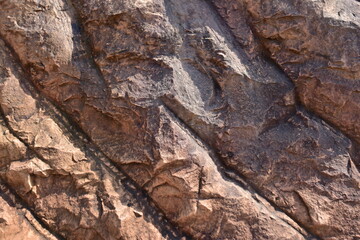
(174, 119)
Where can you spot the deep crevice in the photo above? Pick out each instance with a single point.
(16, 200)
(200, 183)
(85, 39)
(243, 182)
(265, 53)
(150, 209)
(75, 131)
(235, 176)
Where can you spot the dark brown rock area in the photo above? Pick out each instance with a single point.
(174, 119)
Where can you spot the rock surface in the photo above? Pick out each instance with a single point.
(197, 119)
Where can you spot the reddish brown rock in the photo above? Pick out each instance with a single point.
(154, 119)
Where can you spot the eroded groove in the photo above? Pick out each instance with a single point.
(235, 176)
(298, 103)
(149, 208)
(355, 154)
(200, 184)
(79, 136)
(267, 55)
(85, 39)
(300, 107)
(76, 135)
(16, 134)
(12, 198)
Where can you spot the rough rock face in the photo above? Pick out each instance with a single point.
(174, 119)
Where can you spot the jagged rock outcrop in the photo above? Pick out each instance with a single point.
(153, 119)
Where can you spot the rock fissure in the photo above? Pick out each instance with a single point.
(238, 179)
(153, 119)
(130, 186)
(9, 195)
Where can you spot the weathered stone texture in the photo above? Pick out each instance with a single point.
(174, 119)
